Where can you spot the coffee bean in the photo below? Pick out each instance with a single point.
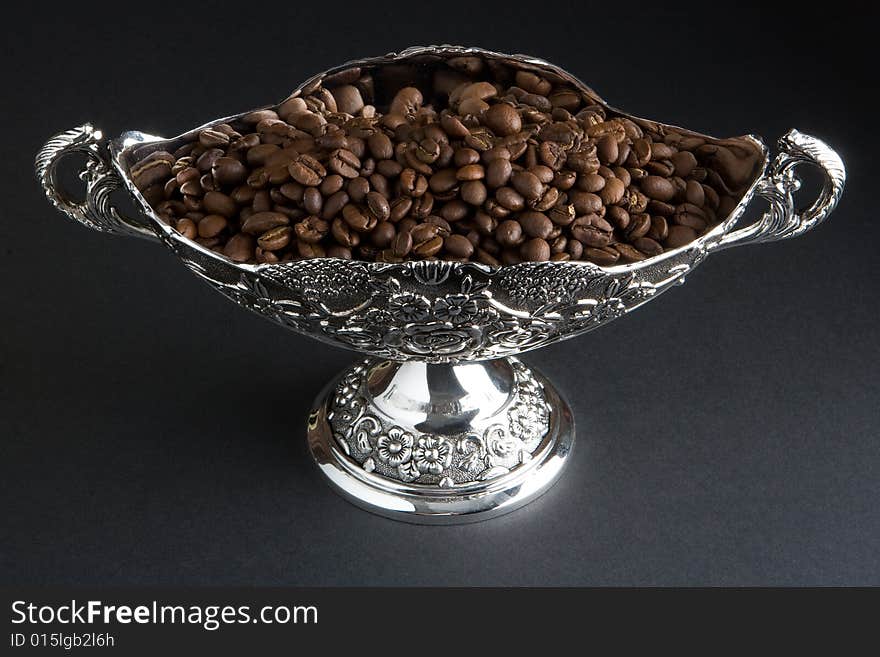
(458, 246)
(510, 198)
(378, 206)
(187, 227)
(311, 229)
(471, 172)
(601, 256)
(535, 250)
(153, 169)
(219, 203)
(629, 253)
(212, 138)
(562, 215)
(402, 244)
(383, 234)
(239, 248)
(509, 233)
(306, 170)
(527, 184)
(639, 226)
(343, 162)
(348, 99)
(357, 189)
(659, 228)
(502, 119)
(618, 216)
(588, 234)
(474, 192)
(535, 224)
(613, 191)
(358, 219)
(647, 246)
(260, 222)
(658, 188)
(313, 201)
(498, 172)
(275, 238)
(212, 225)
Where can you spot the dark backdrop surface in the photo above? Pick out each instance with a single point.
(152, 433)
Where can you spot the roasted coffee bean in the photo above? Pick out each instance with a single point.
(275, 239)
(402, 244)
(344, 234)
(535, 224)
(260, 222)
(358, 219)
(613, 191)
(510, 199)
(239, 248)
(155, 168)
(498, 172)
(313, 201)
(617, 216)
(212, 225)
(187, 227)
(378, 206)
(219, 203)
(590, 235)
(638, 227)
(562, 215)
(474, 192)
(311, 229)
(333, 205)
(357, 189)
(503, 120)
(647, 246)
(383, 234)
(535, 250)
(679, 236)
(659, 228)
(603, 257)
(343, 162)
(458, 246)
(509, 233)
(585, 202)
(658, 188)
(527, 184)
(629, 253)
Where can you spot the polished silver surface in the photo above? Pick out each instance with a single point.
(425, 454)
(447, 321)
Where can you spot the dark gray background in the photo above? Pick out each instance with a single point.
(152, 433)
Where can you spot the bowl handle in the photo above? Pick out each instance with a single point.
(95, 210)
(783, 220)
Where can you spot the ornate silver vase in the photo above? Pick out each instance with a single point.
(441, 422)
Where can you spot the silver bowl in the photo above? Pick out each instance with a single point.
(440, 423)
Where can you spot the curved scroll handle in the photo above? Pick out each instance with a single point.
(783, 220)
(96, 210)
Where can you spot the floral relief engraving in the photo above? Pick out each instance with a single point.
(385, 448)
(433, 311)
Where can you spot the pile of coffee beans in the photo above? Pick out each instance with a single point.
(458, 159)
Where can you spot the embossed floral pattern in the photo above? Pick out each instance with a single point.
(405, 454)
(395, 447)
(456, 308)
(409, 307)
(436, 311)
(431, 454)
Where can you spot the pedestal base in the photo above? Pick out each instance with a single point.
(440, 443)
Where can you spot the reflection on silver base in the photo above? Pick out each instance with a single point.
(441, 443)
